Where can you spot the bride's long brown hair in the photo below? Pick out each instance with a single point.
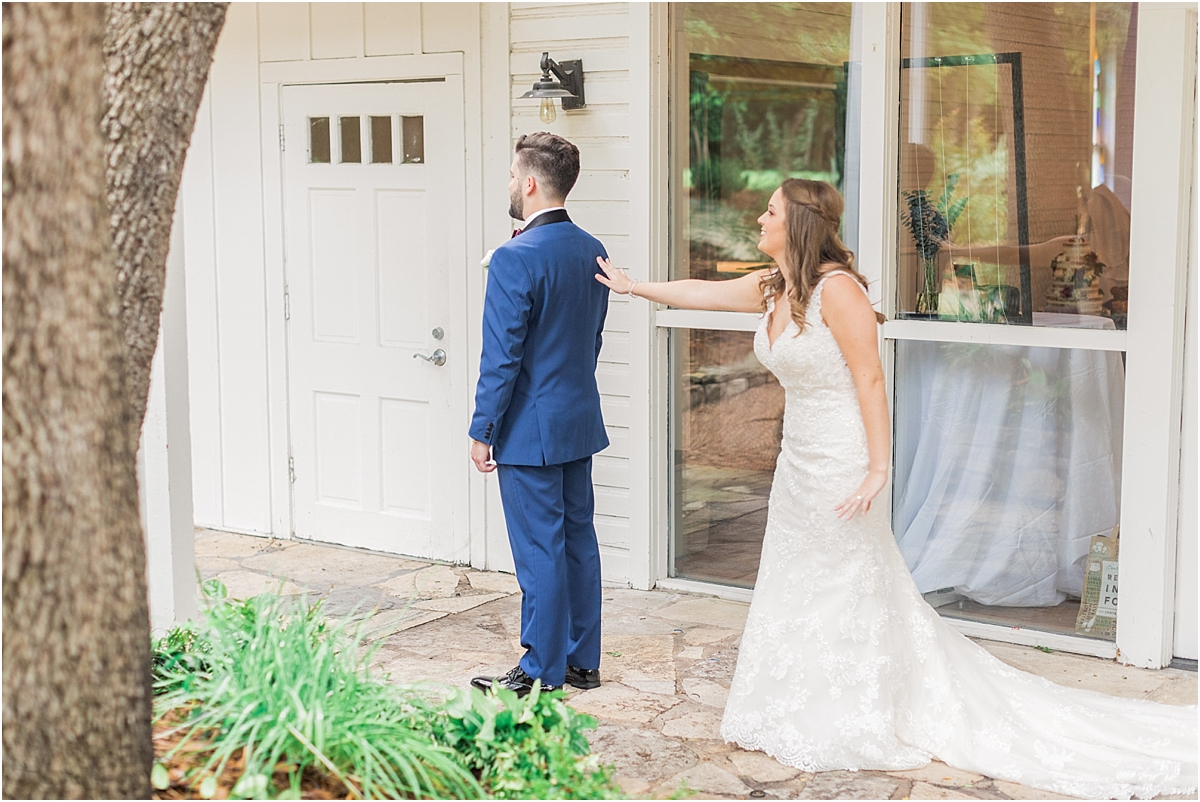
(813, 216)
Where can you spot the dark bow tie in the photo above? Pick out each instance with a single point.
(518, 231)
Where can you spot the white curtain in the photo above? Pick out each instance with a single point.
(1008, 461)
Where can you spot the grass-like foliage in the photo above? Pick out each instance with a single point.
(522, 748)
(930, 223)
(271, 686)
(268, 698)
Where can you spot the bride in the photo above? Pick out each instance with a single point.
(842, 664)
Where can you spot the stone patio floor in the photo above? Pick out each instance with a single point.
(667, 664)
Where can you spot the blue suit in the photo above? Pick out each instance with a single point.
(538, 406)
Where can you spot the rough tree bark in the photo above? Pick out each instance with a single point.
(76, 656)
(80, 326)
(157, 58)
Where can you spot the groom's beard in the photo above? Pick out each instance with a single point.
(516, 206)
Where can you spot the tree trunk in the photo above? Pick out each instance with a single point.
(76, 624)
(157, 58)
(80, 326)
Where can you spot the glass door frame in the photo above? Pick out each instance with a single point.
(1162, 212)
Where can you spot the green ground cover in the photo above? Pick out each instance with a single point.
(267, 698)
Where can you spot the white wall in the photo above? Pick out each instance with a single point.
(226, 295)
(165, 459)
(237, 364)
(1186, 554)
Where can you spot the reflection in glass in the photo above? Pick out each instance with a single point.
(351, 140)
(381, 140)
(1007, 469)
(766, 99)
(1016, 126)
(761, 92)
(412, 132)
(726, 432)
(318, 140)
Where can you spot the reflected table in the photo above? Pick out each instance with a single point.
(1008, 460)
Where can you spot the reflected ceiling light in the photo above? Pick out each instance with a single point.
(568, 86)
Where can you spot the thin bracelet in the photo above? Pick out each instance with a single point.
(632, 283)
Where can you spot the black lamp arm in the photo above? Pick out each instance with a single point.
(549, 65)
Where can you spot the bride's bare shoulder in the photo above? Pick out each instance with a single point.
(842, 296)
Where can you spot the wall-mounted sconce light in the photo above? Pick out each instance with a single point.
(569, 86)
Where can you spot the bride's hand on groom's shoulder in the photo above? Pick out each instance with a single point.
(860, 502)
(613, 277)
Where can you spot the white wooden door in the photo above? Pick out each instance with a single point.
(374, 208)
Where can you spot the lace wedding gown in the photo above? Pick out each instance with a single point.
(844, 666)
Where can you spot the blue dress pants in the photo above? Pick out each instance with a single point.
(549, 509)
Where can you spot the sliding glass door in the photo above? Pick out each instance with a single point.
(1013, 198)
(986, 154)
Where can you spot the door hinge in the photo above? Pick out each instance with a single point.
(281, 143)
(292, 470)
(287, 306)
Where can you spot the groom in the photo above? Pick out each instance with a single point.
(537, 416)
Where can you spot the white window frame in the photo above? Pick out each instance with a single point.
(1164, 116)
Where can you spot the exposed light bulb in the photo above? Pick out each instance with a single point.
(547, 113)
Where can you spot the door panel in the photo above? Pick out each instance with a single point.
(371, 434)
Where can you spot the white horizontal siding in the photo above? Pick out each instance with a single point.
(609, 55)
(616, 410)
(610, 471)
(601, 185)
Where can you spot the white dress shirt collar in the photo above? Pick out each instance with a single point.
(530, 218)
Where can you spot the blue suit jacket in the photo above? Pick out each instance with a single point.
(537, 402)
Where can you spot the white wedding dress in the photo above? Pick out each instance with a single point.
(844, 666)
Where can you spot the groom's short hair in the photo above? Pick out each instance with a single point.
(552, 160)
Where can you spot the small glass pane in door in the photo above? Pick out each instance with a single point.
(412, 131)
(318, 140)
(381, 140)
(351, 140)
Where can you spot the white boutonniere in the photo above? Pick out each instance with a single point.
(487, 259)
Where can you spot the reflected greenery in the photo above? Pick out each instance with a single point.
(766, 102)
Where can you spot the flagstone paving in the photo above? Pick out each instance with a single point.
(667, 664)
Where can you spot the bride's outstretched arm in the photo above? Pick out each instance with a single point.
(735, 295)
(850, 317)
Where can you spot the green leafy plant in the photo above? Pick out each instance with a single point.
(268, 698)
(930, 222)
(268, 687)
(522, 748)
(178, 658)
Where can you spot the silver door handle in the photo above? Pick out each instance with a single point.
(438, 357)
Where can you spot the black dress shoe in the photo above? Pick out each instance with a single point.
(583, 678)
(516, 681)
